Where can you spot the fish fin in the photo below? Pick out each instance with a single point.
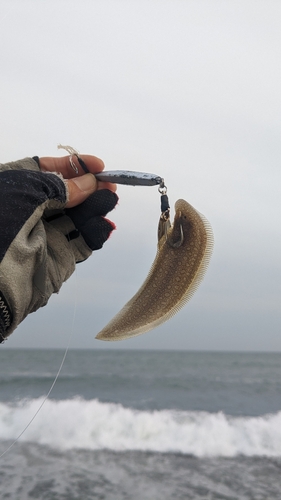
(113, 332)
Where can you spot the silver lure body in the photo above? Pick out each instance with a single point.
(129, 178)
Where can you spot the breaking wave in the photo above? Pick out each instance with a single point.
(78, 423)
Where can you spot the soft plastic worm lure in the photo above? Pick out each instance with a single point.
(184, 251)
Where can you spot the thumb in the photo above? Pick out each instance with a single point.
(79, 189)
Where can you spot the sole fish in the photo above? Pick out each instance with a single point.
(184, 252)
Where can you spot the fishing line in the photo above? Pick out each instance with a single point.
(56, 377)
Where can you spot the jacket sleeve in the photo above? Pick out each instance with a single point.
(36, 255)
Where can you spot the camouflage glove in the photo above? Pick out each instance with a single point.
(40, 241)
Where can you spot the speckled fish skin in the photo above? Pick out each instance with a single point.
(173, 278)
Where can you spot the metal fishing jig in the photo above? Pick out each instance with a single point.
(132, 178)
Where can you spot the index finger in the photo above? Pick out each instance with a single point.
(63, 165)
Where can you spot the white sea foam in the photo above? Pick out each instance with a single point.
(77, 423)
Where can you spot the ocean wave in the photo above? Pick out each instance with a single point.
(78, 423)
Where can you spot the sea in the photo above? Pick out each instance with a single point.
(140, 425)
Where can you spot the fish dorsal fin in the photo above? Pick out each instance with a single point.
(172, 280)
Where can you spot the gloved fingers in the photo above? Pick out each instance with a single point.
(82, 187)
(96, 231)
(88, 217)
(99, 203)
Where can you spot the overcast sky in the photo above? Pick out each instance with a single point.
(189, 90)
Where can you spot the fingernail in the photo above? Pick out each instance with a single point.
(86, 182)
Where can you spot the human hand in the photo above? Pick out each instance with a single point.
(80, 185)
(45, 233)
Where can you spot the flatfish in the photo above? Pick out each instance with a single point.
(183, 254)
